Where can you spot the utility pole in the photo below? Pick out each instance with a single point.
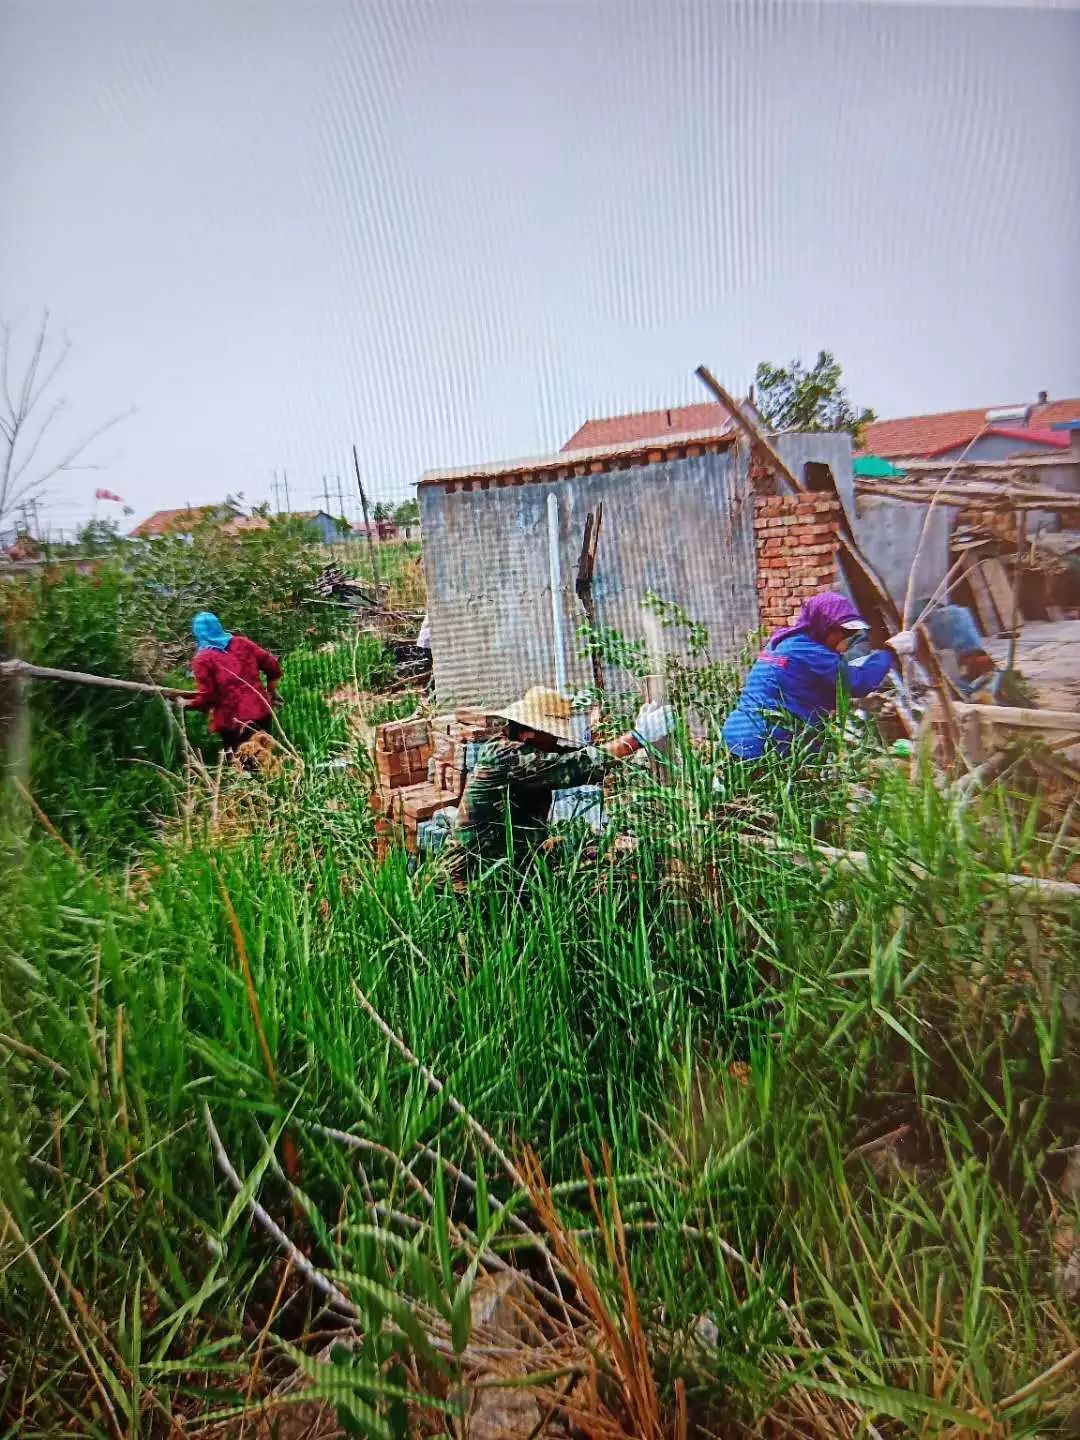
(285, 477)
(326, 496)
(340, 498)
(277, 494)
(367, 526)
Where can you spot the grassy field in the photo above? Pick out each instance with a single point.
(778, 1148)
(399, 565)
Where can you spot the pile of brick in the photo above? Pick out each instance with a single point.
(421, 767)
(795, 541)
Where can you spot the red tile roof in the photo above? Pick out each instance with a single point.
(928, 435)
(649, 425)
(914, 435)
(177, 522)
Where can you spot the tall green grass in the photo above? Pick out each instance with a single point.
(735, 1026)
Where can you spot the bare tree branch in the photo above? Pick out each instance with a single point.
(5, 328)
(23, 472)
(32, 367)
(21, 468)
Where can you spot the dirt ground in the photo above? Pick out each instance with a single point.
(1048, 656)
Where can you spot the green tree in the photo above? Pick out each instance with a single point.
(794, 398)
(407, 513)
(98, 537)
(380, 511)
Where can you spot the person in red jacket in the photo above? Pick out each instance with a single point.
(228, 670)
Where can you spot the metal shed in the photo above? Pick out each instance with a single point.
(678, 520)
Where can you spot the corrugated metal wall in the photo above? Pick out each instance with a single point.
(682, 528)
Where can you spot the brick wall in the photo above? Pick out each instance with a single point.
(795, 541)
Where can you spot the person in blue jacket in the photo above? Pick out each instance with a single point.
(793, 685)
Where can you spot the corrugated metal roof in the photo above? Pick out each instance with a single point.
(593, 461)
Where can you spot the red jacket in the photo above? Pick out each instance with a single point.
(230, 683)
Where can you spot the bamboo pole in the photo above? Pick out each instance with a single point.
(859, 861)
(23, 670)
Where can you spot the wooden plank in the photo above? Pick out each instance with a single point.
(1000, 589)
(985, 610)
(1014, 717)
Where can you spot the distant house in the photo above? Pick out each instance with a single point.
(327, 526)
(18, 544)
(1004, 432)
(245, 525)
(185, 521)
(656, 424)
(893, 535)
(378, 530)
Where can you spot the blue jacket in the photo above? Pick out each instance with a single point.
(799, 677)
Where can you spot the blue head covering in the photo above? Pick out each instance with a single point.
(209, 632)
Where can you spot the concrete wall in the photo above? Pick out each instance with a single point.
(683, 528)
(796, 448)
(888, 533)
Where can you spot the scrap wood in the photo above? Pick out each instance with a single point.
(998, 584)
(1019, 718)
(927, 657)
(962, 494)
(982, 599)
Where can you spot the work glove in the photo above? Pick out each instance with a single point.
(902, 643)
(654, 722)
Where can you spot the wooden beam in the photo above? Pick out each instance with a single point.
(584, 582)
(1013, 717)
(747, 427)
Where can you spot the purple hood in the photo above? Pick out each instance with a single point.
(818, 616)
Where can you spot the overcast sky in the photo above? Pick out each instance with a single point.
(453, 231)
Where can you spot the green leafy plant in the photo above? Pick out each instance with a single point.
(797, 398)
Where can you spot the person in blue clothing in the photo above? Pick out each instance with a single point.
(793, 685)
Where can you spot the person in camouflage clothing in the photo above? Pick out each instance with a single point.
(510, 788)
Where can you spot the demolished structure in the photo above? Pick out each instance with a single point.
(688, 517)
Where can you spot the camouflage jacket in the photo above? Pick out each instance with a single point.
(510, 791)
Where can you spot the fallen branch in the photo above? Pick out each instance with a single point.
(313, 1276)
(23, 670)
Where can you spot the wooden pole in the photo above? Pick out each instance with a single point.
(1014, 623)
(367, 527)
(584, 583)
(858, 571)
(22, 669)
